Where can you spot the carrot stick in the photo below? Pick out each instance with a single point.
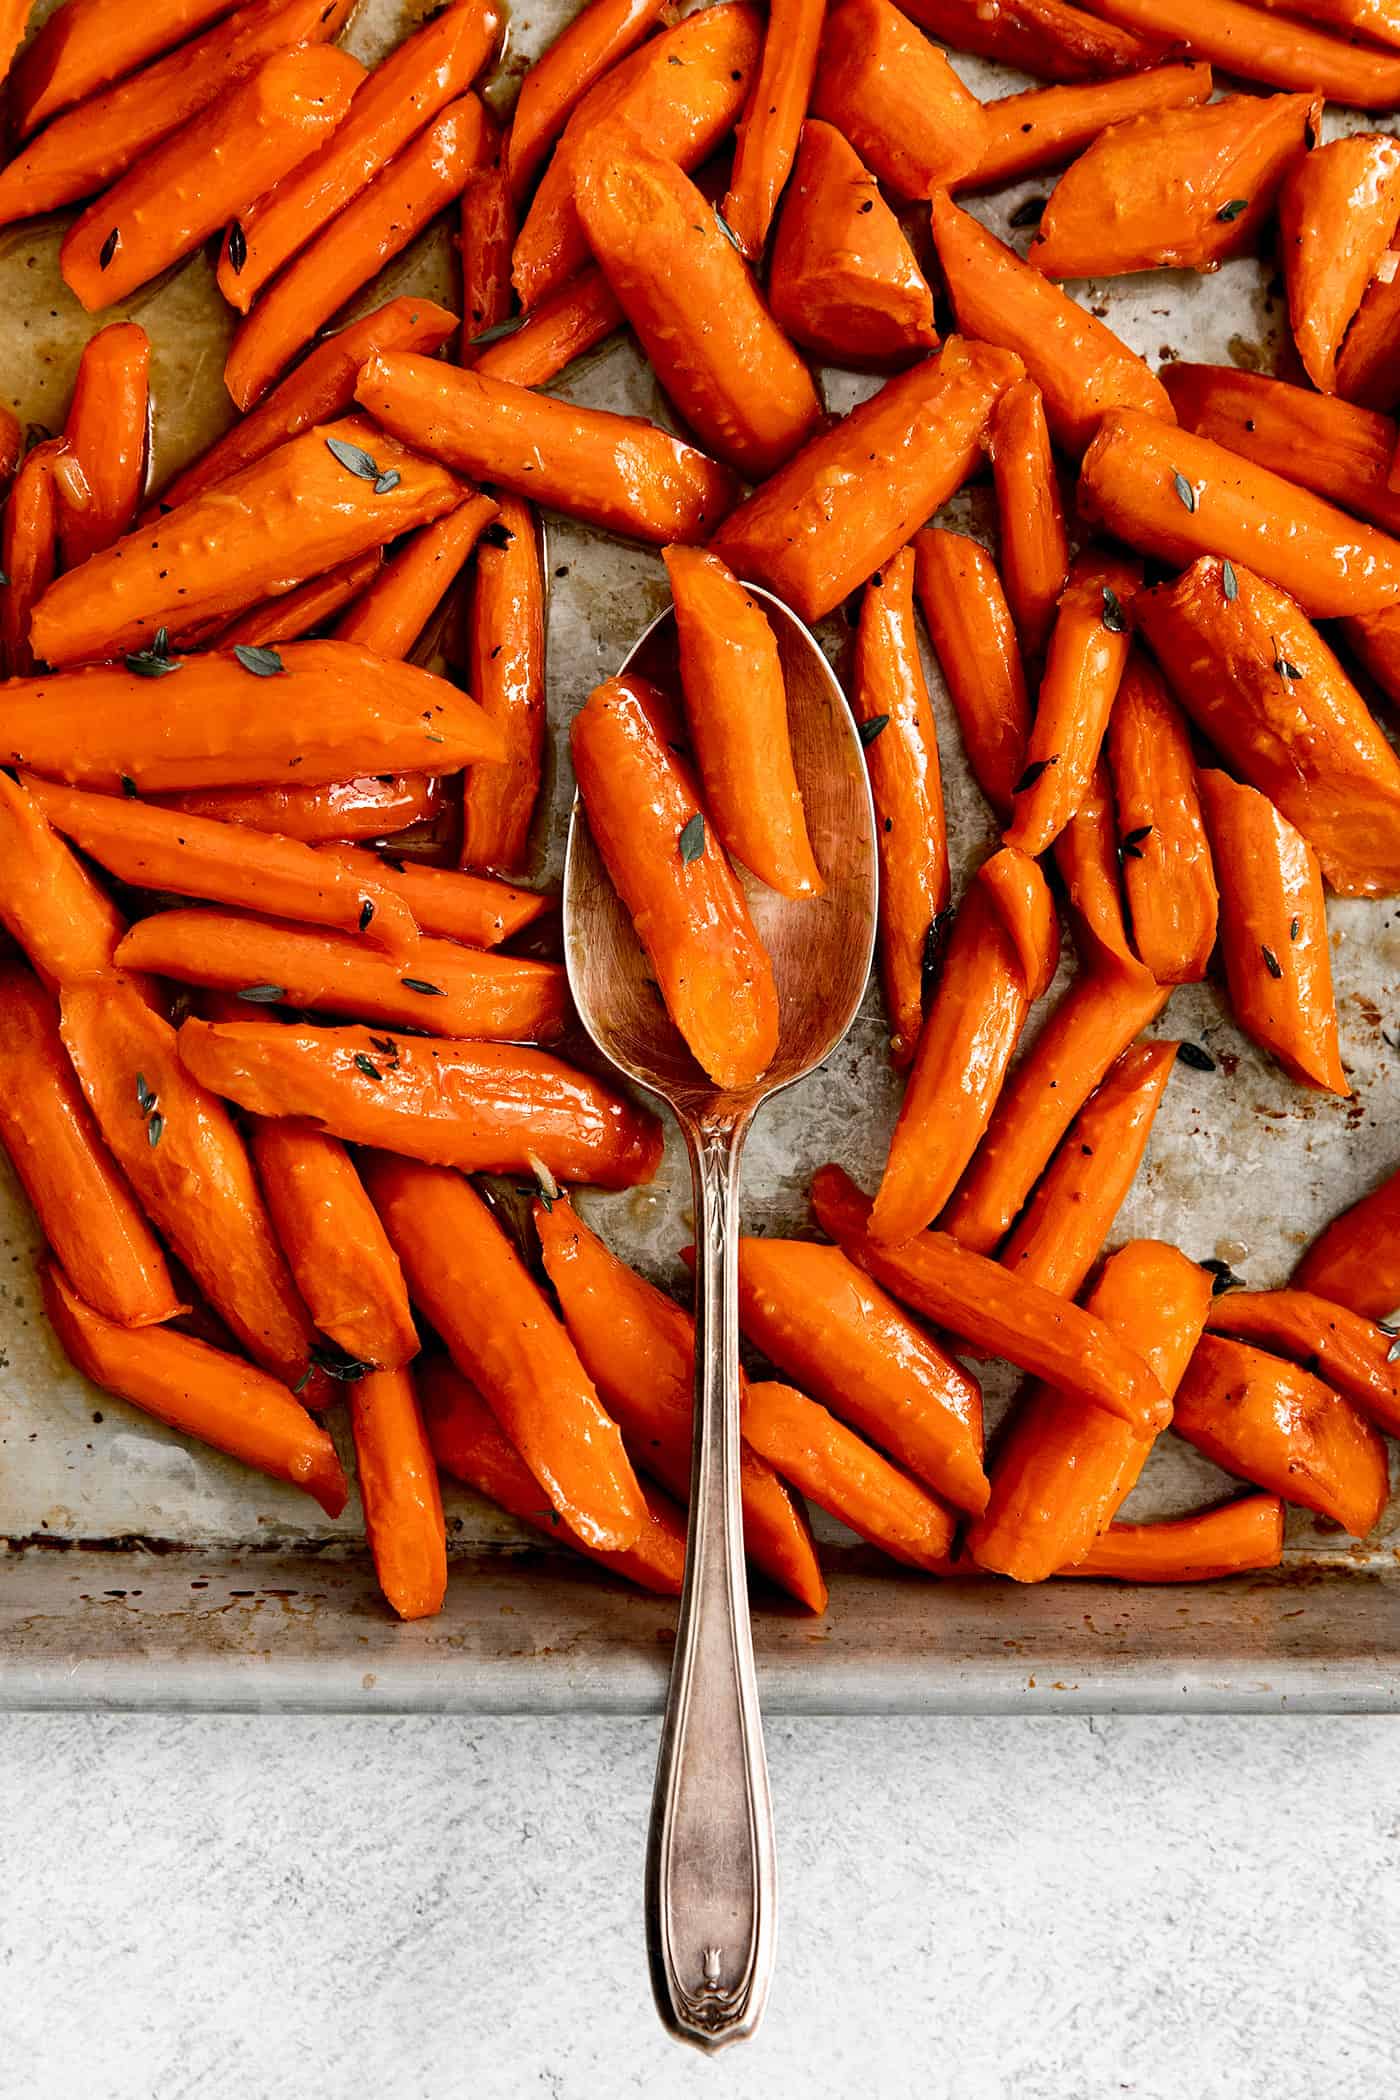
(1018, 889)
(28, 554)
(83, 47)
(890, 701)
(1243, 40)
(337, 1249)
(399, 1493)
(413, 85)
(1139, 473)
(1273, 932)
(1080, 366)
(1346, 1351)
(367, 808)
(1045, 128)
(1227, 1541)
(969, 624)
(736, 712)
(67, 926)
(1356, 1259)
(1167, 872)
(296, 613)
(690, 915)
(11, 444)
(332, 711)
(375, 226)
(995, 1313)
(1182, 189)
(846, 1477)
(1337, 214)
(1368, 369)
(617, 472)
(487, 243)
(842, 279)
(853, 496)
(768, 130)
(736, 380)
(1260, 682)
(896, 98)
(483, 1107)
(639, 1347)
(817, 1317)
(393, 613)
(85, 1209)
(1378, 20)
(1034, 551)
(467, 1442)
(1085, 660)
(1087, 855)
(1044, 37)
(598, 37)
(159, 849)
(468, 908)
(565, 324)
(506, 672)
(106, 433)
(1285, 1430)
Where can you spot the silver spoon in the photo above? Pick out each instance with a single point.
(710, 1861)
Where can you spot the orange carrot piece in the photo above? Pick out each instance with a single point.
(691, 917)
(488, 1108)
(106, 433)
(1044, 128)
(487, 243)
(768, 130)
(84, 1206)
(472, 909)
(65, 923)
(847, 1477)
(1030, 515)
(1356, 1259)
(28, 554)
(1337, 214)
(896, 98)
(565, 324)
(83, 47)
(1243, 40)
(599, 36)
(399, 1493)
(506, 671)
(1377, 19)
(296, 613)
(11, 444)
(736, 711)
(367, 808)
(1168, 876)
(1346, 1351)
(1368, 368)
(1044, 37)
(969, 624)
(393, 613)
(1087, 856)
(1018, 888)
(1228, 1541)
(1081, 367)
(1273, 933)
(855, 494)
(890, 701)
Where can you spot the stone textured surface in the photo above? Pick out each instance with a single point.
(228, 1909)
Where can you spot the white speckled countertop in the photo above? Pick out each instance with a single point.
(221, 1908)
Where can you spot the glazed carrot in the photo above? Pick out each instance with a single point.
(367, 808)
(1087, 857)
(487, 243)
(1182, 189)
(600, 35)
(1175, 495)
(1374, 640)
(11, 443)
(1377, 19)
(1228, 1541)
(1030, 515)
(106, 433)
(1063, 1468)
(890, 701)
(617, 472)
(412, 85)
(89, 148)
(854, 495)
(639, 1348)
(332, 710)
(1348, 1352)
(897, 100)
(83, 47)
(467, 1442)
(198, 1390)
(392, 614)
(565, 324)
(336, 1247)
(1061, 1232)
(506, 671)
(682, 93)
(296, 613)
(500, 1331)
(969, 624)
(160, 849)
(973, 1297)
(1273, 932)
(1080, 366)
(1100, 1015)
(1168, 877)
(690, 915)
(399, 1493)
(28, 554)
(488, 1108)
(1368, 369)
(842, 279)
(847, 1477)
(1243, 40)
(1356, 1259)
(1260, 682)
(1086, 658)
(1044, 37)
(816, 1316)
(1018, 889)
(468, 908)
(736, 380)
(1337, 214)
(736, 711)
(67, 926)
(1045, 128)
(768, 130)
(375, 226)
(1285, 1430)
(85, 1209)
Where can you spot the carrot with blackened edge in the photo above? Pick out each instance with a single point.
(1356, 1259)
(399, 1493)
(1337, 215)
(296, 613)
(106, 433)
(772, 119)
(599, 36)
(1030, 515)
(84, 46)
(366, 808)
(970, 626)
(28, 554)
(1244, 40)
(565, 324)
(896, 98)
(65, 922)
(506, 671)
(1044, 37)
(1231, 1540)
(845, 1476)
(1168, 876)
(1087, 857)
(393, 613)
(487, 244)
(1348, 1352)
(1043, 128)
(472, 909)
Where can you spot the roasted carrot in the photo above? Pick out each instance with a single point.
(644, 812)
(1063, 1468)
(483, 1107)
(487, 243)
(1243, 40)
(1168, 876)
(1177, 189)
(896, 98)
(1044, 128)
(1378, 20)
(1087, 857)
(889, 697)
(854, 495)
(1176, 496)
(1356, 1259)
(639, 1348)
(399, 1493)
(736, 380)
(1337, 214)
(468, 908)
(847, 1477)
(947, 1283)
(84, 1206)
(565, 324)
(1285, 1430)
(1273, 932)
(969, 623)
(1018, 889)
(1044, 37)
(296, 613)
(1339, 1346)
(28, 554)
(768, 130)
(506, 669)
(1368, 368)
(106, 434)
(11, 444)
(412, 86)
(83, 47)
(736, 711)
(367, 808)
(1034, 551)
(392, 614)
(1260, 682)
(65, 923)
(842, 279)
(598, 37)
(1374, 640)
(1227, 1541)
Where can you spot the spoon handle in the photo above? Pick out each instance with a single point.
(711, 1868)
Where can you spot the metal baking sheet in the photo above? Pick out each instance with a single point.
(141, 1569)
